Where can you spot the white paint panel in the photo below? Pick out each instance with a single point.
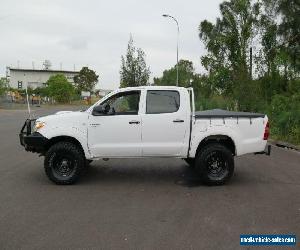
(113, 136)
(161, 136)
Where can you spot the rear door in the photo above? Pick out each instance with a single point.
(164, 124)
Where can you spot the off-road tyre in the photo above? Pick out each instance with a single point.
(64, 163)
(214, 164)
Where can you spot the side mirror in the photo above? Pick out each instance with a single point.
(101, 109)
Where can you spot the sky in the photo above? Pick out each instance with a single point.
(95, 33)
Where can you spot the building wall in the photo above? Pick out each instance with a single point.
(104, 92)
(34, 78)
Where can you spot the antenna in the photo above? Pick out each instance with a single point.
(32, 65)
(47, 64)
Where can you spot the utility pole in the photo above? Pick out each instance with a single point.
(166, 15)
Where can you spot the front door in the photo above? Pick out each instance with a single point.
(118, 132)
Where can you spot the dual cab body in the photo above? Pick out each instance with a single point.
(148, 121)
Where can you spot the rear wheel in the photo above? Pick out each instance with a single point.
(214, 164)
(64, 163)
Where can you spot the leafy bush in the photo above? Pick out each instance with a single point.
(285, 117)
(41, 91)
(2, 86)
(214, 102)
(60, 89)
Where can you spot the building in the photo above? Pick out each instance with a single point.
(33, 78)
(103, 92)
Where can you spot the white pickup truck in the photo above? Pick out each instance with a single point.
(148, 121)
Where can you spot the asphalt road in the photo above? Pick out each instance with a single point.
(142, 204)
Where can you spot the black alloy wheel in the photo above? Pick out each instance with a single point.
(64, 163)
(214, 164)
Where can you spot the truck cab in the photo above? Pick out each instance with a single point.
(141, 122)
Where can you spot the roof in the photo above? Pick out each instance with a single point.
(44, 70)
(154, 87)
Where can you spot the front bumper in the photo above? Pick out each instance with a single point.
(33, 142)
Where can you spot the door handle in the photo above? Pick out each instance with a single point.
(134, 122)
(178, 120)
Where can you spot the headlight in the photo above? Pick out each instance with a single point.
(38, 125)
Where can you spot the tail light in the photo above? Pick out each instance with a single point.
(267, 131)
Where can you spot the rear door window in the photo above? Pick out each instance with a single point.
(162, 101)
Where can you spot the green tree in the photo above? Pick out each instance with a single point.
(273, 27)
(86, 79)
(289, 29)
(228, 42)
(134, 70)
(187, 78)
(3, 85)
(185, 75)
(283, 33)
(59, 88)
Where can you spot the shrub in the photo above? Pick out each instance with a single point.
(59, 88)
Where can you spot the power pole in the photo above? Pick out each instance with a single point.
(166, 15)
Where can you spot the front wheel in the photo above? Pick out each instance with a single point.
(215, 164)
(64, 163)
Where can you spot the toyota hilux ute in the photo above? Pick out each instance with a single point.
(147, 121)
